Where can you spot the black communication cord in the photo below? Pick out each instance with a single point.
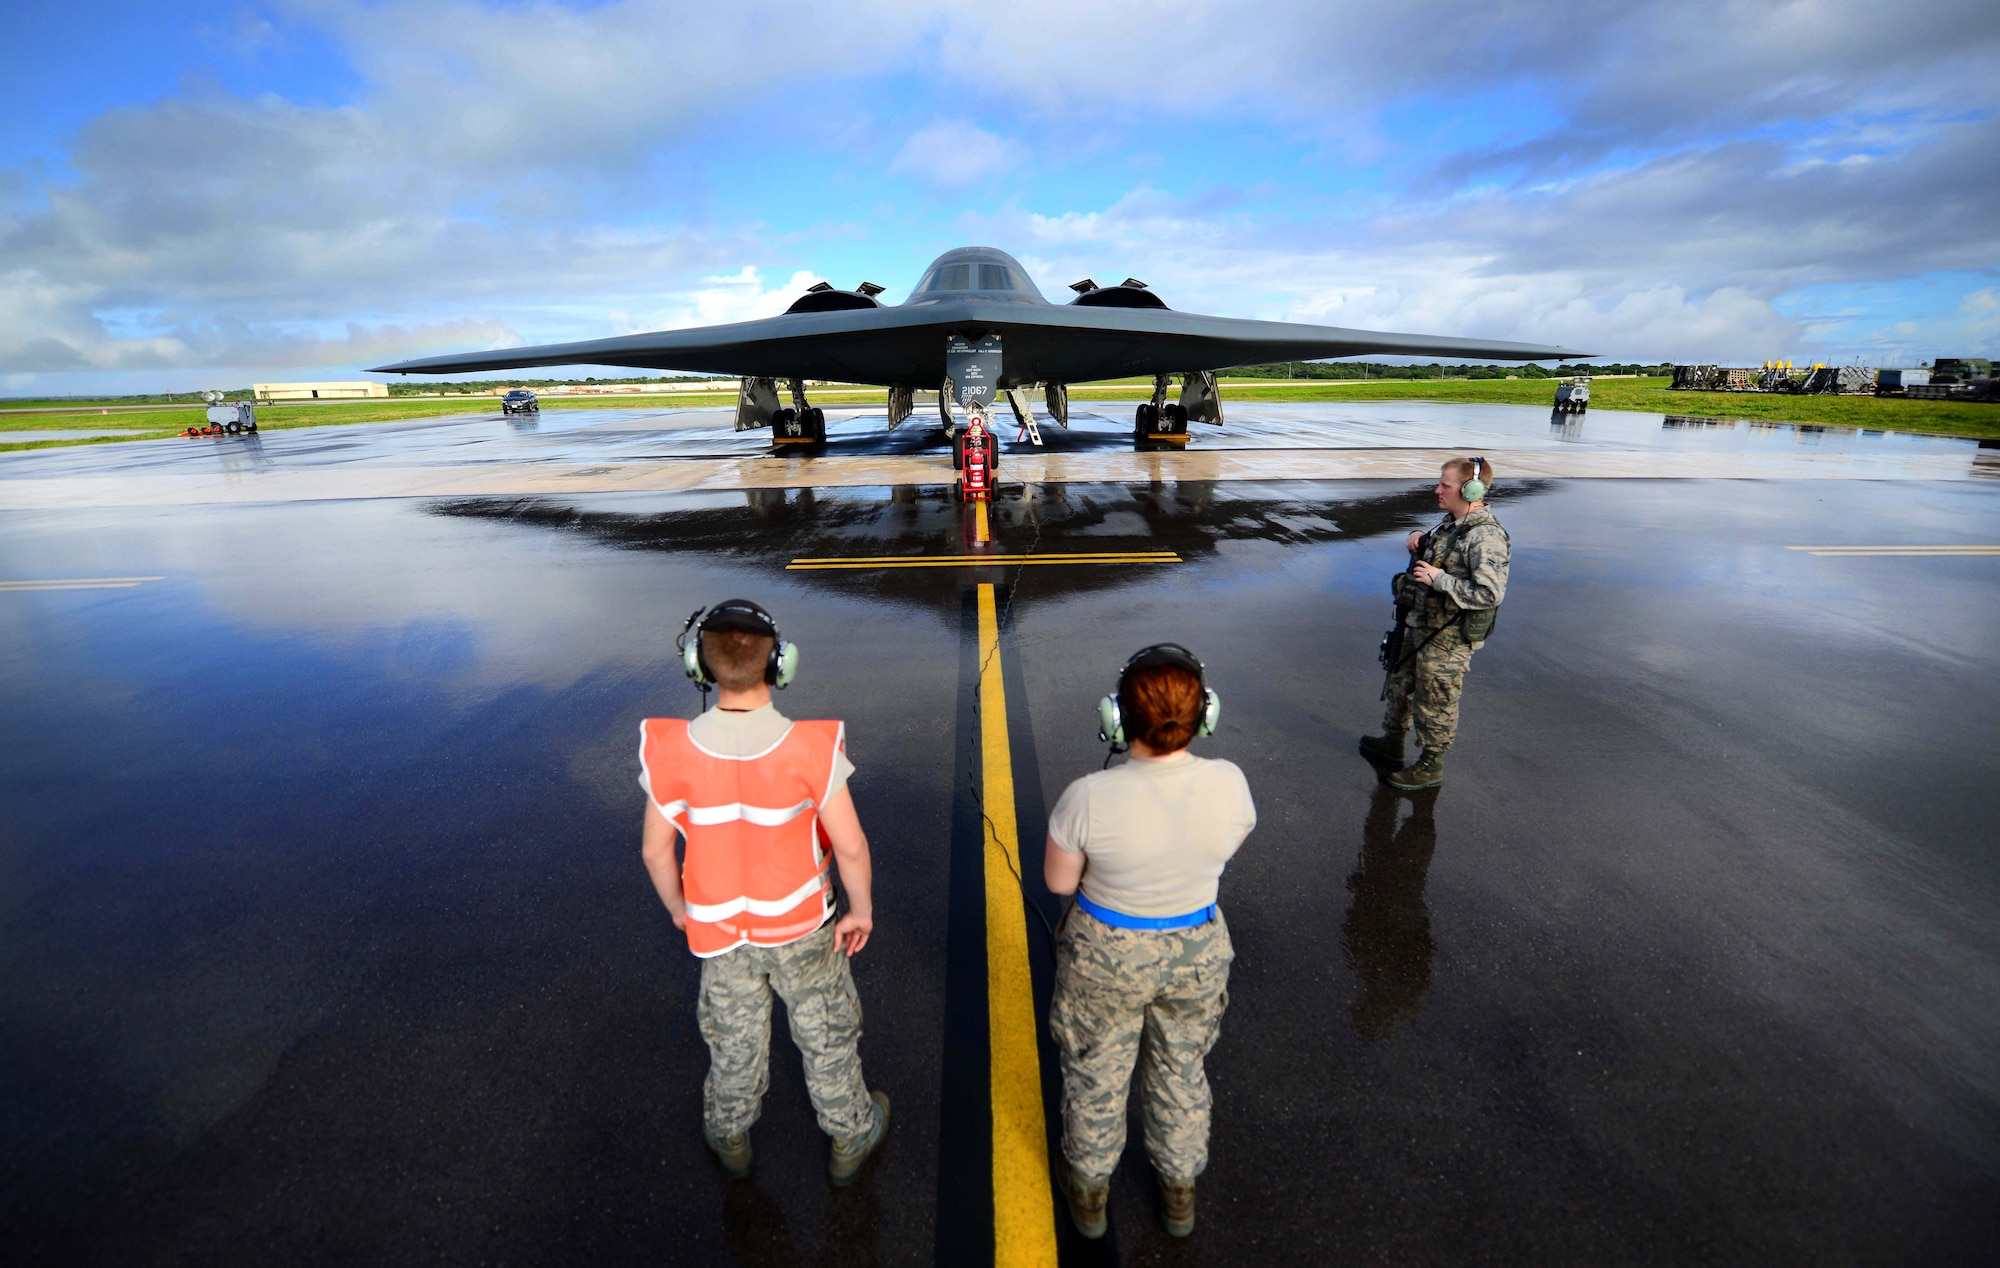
(680, 645)
(989, 830)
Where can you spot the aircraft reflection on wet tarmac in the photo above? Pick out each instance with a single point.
(328, 940)
(1192, 519)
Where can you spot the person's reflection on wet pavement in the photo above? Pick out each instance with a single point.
(851, 1220)
(1387, 935)
(754, 1226)
(1157, 1250)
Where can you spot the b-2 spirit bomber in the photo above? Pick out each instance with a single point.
(976, 329)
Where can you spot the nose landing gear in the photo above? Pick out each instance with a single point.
(1160, 424)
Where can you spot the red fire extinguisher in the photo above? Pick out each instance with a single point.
(975, 477)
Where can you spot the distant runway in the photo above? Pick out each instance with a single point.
(566, 452)
(325, 936)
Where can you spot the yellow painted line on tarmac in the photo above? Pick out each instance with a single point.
(1897, 552)
(976, 561)
(979, 533)
(76, 583)
(1169, 555)
(1024, 1231)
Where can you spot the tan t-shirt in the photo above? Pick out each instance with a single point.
(751, 733)
(1157, 832)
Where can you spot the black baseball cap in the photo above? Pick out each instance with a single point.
(740, 614)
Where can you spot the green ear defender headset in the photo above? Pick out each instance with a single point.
(1112, 712)
(736, 614)
(1475, 488)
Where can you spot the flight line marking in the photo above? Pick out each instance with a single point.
(76, 583)
(1023, 1213)
(975, 561)
(1896, 552)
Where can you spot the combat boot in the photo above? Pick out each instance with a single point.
(733, 1153)
(1386, 747)
(1427, 773)
(849, 1152)
(1087, 1200)
(1177, 1207)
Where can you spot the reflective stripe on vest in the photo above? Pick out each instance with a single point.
(756, 866)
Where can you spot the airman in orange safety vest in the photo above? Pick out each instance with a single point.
(762, 804)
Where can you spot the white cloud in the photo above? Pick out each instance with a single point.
(1687, 256)
(955, 155)
(500, 87)
(489, 178)
(740, 296)
(1620, 72)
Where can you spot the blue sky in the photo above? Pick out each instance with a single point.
(203, 195)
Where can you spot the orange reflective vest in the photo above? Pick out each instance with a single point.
(756, 867)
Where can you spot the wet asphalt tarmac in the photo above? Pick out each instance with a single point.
(579, 441)
(324, 936)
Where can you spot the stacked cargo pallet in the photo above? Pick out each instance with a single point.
(1774, 376)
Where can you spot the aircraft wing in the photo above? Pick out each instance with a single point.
(1044, 343)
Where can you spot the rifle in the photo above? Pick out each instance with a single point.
(1390, 654)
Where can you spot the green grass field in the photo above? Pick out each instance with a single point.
(1945, 418)
(1888, 413)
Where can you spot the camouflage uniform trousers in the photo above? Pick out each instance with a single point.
(1428, 686)
(1150, 996)
(813, 978)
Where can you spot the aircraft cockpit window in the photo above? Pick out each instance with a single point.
(974, 277)
(952, 277)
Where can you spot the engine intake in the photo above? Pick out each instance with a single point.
(1130, 293)
(822, 298)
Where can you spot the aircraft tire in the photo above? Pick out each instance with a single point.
(1146, 419)
(815, 421)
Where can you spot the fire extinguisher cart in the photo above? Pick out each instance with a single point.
(978, 455)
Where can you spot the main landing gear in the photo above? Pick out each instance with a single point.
(799, 428)
(796, 428)
(802, 427)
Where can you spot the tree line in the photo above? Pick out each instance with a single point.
(1378, 370)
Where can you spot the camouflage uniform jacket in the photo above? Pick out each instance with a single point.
(1474, 560)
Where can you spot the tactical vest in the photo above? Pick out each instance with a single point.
(756, 868)
(1475, 625)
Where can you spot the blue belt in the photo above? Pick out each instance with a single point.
(1123, 921)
